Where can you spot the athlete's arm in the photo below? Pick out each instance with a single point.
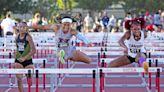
(80, 36)
(32, 46)
(16, 43)
(53, 27)
(123, 38)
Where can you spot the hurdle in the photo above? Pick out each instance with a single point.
(128, 70)
(96, 84)
(95, 39)
(50, 71)
(12, 60)
(149, 60)
(97, 48)
(154, 60)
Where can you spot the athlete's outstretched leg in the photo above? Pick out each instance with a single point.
(81, 57)
(121, 61)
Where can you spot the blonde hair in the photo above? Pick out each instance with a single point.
(36, 14)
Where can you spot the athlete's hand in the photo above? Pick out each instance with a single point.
(126, 50)
(89, 45)
(137, 57)
(22, 59)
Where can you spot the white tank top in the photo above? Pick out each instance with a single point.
(62, 38)
(135, 46)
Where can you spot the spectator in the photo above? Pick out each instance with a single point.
(44, 21)
(8, 25)
(127, 17)
(105, 22)
(162, 18)
(157, 21)
(58, 19)
(35, 21)
(112, 23)
(79, 23)
(88, 23)
(97, 24)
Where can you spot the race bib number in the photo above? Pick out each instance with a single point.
(62, 45)
(21, 46)
(135, 50)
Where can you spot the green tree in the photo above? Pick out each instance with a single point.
(65, 4)
(24, 6)
(7, 5)
(16, 6)
(142, 5)
(94, 5)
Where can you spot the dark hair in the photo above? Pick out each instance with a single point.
(22, 23)
(66, 17)
(128, 13)
(140, 21)
(8, 15)
(157, 12)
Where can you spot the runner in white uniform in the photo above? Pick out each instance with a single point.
(64, 33)
(134, 48)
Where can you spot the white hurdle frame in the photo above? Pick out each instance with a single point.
(79, 71)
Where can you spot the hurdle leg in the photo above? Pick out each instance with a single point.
(37, 81)
(156, 65)
(101, 81)
(29, 80)
(59, 75)
(158, 80)
(98, 60)
(103, 74)
(150, 86)
(44, 77)
(94, 81)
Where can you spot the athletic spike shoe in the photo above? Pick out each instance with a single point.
(146, 67)
(61, 55)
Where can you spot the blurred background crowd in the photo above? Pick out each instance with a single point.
(87, 15)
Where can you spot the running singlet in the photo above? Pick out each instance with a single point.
(23, 47)
(135, 46)
(63, 39)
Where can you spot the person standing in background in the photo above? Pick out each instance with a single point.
(97, 25)
(127, 17)
(8, 25)
(105, 22)
(157, 21)
(36, 20)
(78, 19)
(88, 23)
(112, 24)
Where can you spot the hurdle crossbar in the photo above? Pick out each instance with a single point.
(15, 71)
(65, 71)
(12, 60)
(78, 70)
(129, 70)
(160, 60)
